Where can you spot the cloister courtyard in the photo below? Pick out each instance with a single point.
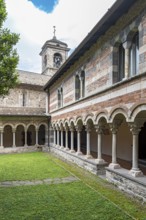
(40, 186)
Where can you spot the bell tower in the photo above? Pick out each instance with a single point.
(54, 53)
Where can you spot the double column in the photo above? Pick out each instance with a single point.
(14, 137)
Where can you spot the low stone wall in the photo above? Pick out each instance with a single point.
(80, 160)
(135, 186)
(9, 150)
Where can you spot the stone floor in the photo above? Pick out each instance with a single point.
(38, 182)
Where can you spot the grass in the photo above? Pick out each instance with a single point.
(29, 166)
(87, 199)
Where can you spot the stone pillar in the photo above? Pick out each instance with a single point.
(54, 136)
(72, 139)
(62, 144)
(14, 137)
(46, 137)
(36, 131)
(25, 137)
(135, 171)
(126, 46)
(99, 130)
(114, 129)
(66, 139)
(58, 137)
(47, 103)
(79, 129)
(88, 152)
(1, 135)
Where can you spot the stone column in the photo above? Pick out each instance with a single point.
(66, 139)
(25, 137)
(58, 136)
(1, 135)
(47, 103)
(36, 131)
(79, 129)
(88, 152)
(99, 130)
(14, 137)
(114, 129)
(46, 137)
(135, 171)
(126, 46)
(62, 145)
(54, 136)
(72, 139)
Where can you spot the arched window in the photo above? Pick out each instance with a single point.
(134, 55)
(80, 85)
(24, 98)
(45, 60)
(118, 62)
(121, 62)
(57, 60)
(77, 87)
(60, 97)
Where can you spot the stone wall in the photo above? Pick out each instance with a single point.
(99, 67)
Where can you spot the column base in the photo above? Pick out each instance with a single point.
(1, 147)
(66, 149)
(100, 161)
(79, 153)
(114, 166)
(14, 146)
(89, 156)
(136, 172)
(72, 151)
(61, 147)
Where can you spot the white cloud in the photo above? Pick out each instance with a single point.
(73, 19)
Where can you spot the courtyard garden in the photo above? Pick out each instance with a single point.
(36, 186)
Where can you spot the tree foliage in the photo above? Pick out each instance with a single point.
(8, 55)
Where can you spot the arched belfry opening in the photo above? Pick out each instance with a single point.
(54, 53)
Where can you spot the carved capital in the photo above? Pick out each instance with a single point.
(135, 128)
(115, 126)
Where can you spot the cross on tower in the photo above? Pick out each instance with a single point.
(54, 31)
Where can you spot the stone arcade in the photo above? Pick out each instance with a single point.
(95, 110)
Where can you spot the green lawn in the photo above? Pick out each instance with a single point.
(29, 166)
(87, 199)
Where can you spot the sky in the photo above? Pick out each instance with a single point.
(34, 21)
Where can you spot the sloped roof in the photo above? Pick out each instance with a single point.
(119, 8)
(31, 78)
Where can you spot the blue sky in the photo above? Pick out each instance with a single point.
(45, 5)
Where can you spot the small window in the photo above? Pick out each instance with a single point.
(57, 60)
(24, 99)
(134, 55)
(77, 87)
(45, 60)
(60, 97)
(121, 62)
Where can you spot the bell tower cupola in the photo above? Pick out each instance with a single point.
(54, 53)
